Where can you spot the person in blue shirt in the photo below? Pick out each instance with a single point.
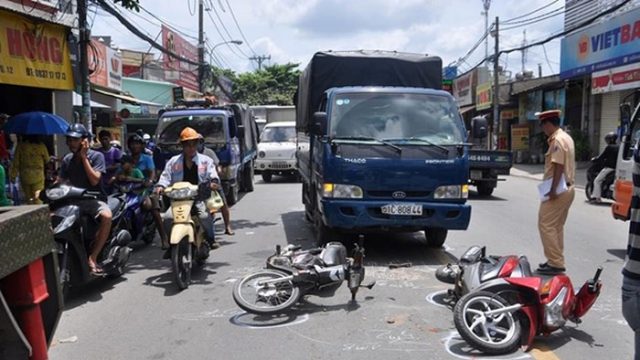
(144, 163)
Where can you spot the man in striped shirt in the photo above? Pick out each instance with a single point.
(631, 270)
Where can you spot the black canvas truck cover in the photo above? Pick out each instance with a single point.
(361, 68)
(244, 116)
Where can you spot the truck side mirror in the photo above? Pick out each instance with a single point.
(479, 127)
(625, 113)
(319, 124)
(240, 131)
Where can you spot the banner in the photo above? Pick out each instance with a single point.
(616, 79)
(484, 100)
(462, 89)
(105, 65)
(519, 137)
(34, 54)
(179, 72)
(608, 44)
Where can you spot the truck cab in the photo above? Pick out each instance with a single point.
(277, 150)
(230, 131)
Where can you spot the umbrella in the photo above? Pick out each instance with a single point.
(36, 123)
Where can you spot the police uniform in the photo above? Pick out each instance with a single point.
(553, 213)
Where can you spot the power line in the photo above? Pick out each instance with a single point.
(547, 58)
(222, 37)
(225, 29)
(239, 29)
(552, 37)
(549, 15)
(169, 25)
(506, 22)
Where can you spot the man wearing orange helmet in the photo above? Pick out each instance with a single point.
(195, 168)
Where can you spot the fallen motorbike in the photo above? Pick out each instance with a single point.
(138, 221)
(74, 234)
(509, 310)
(293, 273)
(475, 267)
(187, 238)
(592, 173)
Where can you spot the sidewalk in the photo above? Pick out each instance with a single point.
(534, 171)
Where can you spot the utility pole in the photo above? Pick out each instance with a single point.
(524, 50)
(260, 59)
(85, 113)
(496, 86)
(201, 46)
(486, 4)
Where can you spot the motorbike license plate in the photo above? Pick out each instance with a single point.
(402, 209)
(476, 174)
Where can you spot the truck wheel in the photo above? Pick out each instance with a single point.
(248, 177)
(435, 236)
(485, 188)
(266, 177)
(232, 195)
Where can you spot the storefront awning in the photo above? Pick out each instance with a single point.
(465, 109)
(125, 98)
(77, 101)
(546, 82)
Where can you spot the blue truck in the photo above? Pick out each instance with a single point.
(230, 131)
(380, 146)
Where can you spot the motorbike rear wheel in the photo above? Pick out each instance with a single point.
(491, 334)
(181, 261)
(265, 299)
(588, 190)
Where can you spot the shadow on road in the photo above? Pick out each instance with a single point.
(619, 253)
(91, 292)
(473, 195)
(563, 337)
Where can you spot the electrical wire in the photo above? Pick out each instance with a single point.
(506, 22)
(544, 49)
(222, 36)
(552, 37)
(171, 26)
(239, 29)
(195, 7)
(556, 12)
(226, 30)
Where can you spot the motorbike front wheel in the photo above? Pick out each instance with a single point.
(588, 190)
(181, 260)
(491, 334)
(252, 295)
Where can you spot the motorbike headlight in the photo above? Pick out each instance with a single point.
(553, 317)
(63, 225)
(182, 194)
(341, 191)
(452, 192)
(57, 193)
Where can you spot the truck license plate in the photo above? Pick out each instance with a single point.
(476, 174)
(402, 209)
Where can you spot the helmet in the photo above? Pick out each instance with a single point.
(611, 138)
(146, 137)
(77, 131)
(135, 138)
(189, 134)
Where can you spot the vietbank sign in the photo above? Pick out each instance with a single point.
(609, 44)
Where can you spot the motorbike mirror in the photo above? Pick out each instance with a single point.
(319, 124)
(625, 112)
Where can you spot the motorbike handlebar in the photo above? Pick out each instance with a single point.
(596, 277)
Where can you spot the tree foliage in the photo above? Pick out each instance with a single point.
(273, 85)
(129, 4)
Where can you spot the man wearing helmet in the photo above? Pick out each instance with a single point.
(195, 168)
(84, 168)
(608, 158)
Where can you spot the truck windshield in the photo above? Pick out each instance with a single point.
(409, 118)
(211, 127)
(278, 134)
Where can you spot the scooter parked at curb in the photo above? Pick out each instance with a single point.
(293, 273)
(74, 234)
(507, 311)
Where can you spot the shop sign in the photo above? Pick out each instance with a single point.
(616, 79)
(447, 85)
(612, 43)
(519, 137)
(484, 98)
(462, 89)
(105, 65)
(508, 114)
(34, 54)
(179, 72)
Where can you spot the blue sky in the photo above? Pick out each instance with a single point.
(292, 30)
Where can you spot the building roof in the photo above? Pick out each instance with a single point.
(552, 81)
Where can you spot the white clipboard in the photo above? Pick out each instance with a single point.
(545, 186)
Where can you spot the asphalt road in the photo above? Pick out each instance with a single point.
(143, 316)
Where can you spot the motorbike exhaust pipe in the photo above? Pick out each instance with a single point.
(122, 238)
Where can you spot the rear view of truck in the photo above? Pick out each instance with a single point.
(380, 147)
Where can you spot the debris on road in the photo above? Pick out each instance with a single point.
(401, 265)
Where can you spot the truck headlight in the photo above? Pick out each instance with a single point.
(261, 154)
(452, 192)
(341, 191)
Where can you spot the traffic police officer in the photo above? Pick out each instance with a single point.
(559, 160)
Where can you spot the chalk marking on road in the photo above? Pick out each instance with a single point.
(216, 313)
(454, 336)
(542, 352)
(430, 298)
(236, 320)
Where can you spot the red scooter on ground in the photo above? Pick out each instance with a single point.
(511, 308)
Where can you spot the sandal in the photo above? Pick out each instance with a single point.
(96, 270)
(229, 232)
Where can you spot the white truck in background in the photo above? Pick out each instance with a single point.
(265, 114)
